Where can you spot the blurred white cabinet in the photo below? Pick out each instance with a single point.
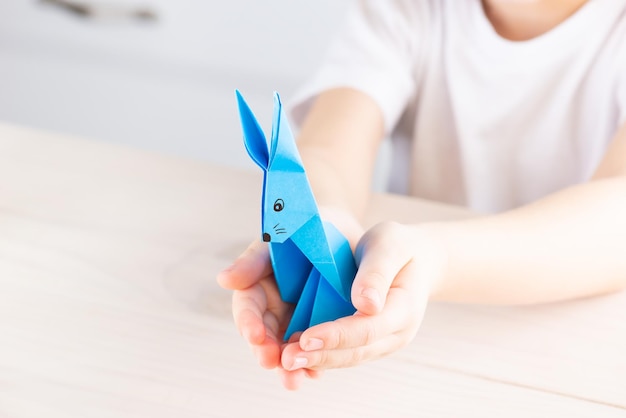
(165, 85)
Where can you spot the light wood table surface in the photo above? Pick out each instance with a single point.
(109, 307)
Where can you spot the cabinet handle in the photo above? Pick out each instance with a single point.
(104, 11)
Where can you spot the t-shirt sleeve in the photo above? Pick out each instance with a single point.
(374, 53)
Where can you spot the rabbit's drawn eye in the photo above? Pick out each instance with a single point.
(279, 205)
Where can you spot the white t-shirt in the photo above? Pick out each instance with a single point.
(476, 119)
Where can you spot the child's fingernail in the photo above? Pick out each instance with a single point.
(299, 363)
(223, 277)
(225, 272)
(313, 344)
(373, 295)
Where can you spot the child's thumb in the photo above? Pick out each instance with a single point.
(379, 264)
(250, 267)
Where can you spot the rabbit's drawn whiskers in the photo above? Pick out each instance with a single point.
(279, 230)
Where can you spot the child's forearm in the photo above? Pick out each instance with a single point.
(338, 143)
(568, 245)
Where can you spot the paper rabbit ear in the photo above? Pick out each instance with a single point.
(253, 136)
(284, 154)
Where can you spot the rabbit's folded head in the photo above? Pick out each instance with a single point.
(288, 202)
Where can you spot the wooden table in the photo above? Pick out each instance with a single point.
(109, 307)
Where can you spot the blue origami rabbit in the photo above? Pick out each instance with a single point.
(313, 263)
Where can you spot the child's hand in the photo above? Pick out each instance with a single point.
(399, 268)
(260, 314)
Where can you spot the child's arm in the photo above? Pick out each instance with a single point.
(339, 142)
(542, 252)
(567, 245)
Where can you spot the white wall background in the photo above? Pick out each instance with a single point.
(165, 85)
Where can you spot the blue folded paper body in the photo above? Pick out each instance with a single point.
(313, 264)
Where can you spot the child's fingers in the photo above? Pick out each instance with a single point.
(291, 380)
(363, 330)
(250, 267)
(294, 359)
(381, 257)
(249, 306)
(364, 338)
(313, 374)
(258, 326)
(267, 353)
